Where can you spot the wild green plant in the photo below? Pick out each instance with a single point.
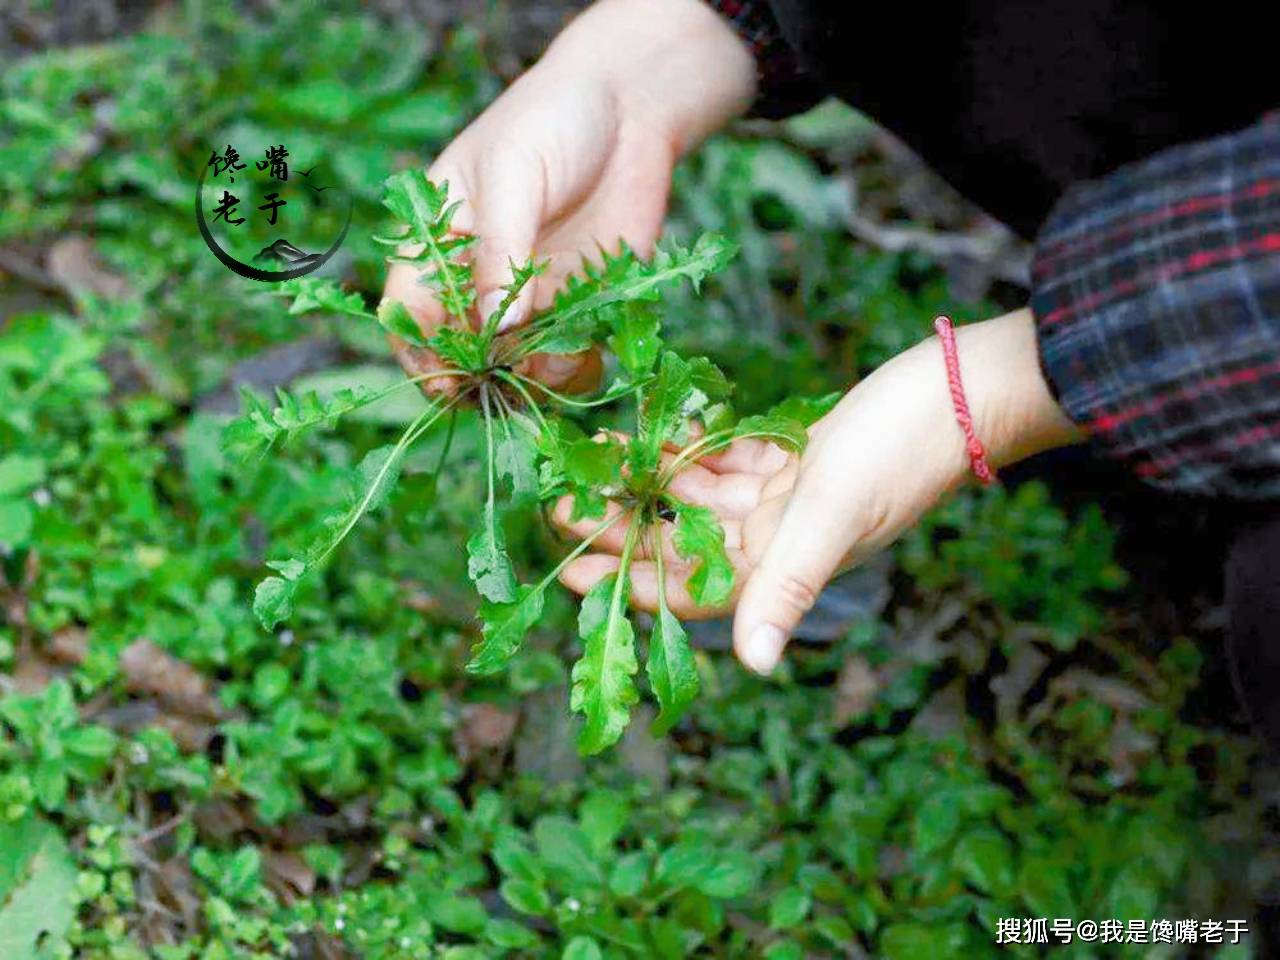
(534, 452)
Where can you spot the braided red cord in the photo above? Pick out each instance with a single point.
(977, 453)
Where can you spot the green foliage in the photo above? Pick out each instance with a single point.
(57, 746)
(602, 688)
(1022, 554)
(527, 448)
(700, 539)
(332, 788)
(37, 889)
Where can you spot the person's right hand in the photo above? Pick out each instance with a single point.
(577, 155)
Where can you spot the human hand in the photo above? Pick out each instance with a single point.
(577, 155)
(885, 454)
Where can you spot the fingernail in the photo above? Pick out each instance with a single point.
(490, 304)
(764, 648)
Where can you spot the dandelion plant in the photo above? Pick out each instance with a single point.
(536, 447)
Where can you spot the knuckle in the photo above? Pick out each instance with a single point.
(796, 593)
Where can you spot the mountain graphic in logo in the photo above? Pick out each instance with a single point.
(283, 251)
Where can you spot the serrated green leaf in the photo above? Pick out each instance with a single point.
(661, 416)
(464, 349)
(504, 628)
(782, 430)
(573, 317)
(521, 276)
(423, 208)
(709, 379)
(591, 463)
(394, 317)
(516, 455)
(700, 539)
(603, 691)
(488, 563)
(261, 428)
(673, 674)
(314, 293)
(273, 601)
(807, 410)
(372, 481)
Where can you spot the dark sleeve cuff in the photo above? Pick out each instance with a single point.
(784, 87)
(1156, 292)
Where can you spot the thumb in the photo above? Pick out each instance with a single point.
(508, 225)
(811, 540)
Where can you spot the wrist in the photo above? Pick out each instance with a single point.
(674, 67)
(1015, 414)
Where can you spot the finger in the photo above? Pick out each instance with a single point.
(813, 534)
(588, 570)
(509, 211)
(566, 372)
(747, 456)
(627, 204)
(581, 575)
(732, 495)
(614, 536)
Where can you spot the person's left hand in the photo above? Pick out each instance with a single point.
(887, 452)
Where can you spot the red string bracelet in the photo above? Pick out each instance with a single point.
(977, 453)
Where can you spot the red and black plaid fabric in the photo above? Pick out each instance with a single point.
(1157, 297)
(784, 87)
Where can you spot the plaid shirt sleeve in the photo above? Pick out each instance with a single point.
(784, 86)
(1156, 292)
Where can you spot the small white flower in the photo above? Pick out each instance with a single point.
(42, 497)
(573, 904)
(138, 753)
(286, 637)
(339, 924)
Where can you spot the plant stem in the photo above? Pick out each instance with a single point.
(448, 443)
(384, 392)
(560, 397)
(514, 381)
(694, 450)
(488, 432)
(410, 435)
(656, 549)
(580, 549)
(712, 443)
(624, 567)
